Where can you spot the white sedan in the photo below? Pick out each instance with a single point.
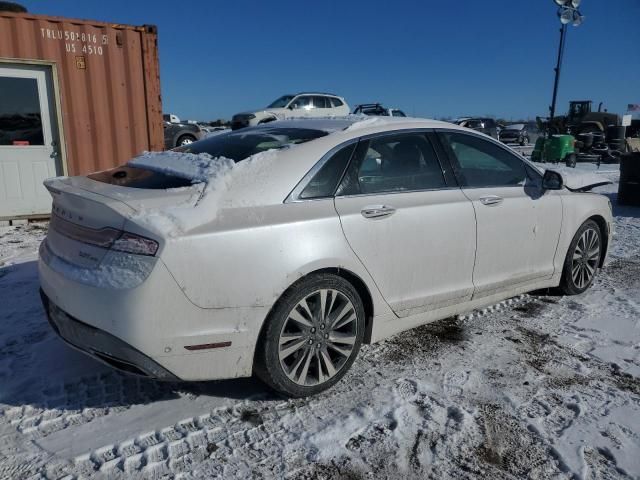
(278, 250)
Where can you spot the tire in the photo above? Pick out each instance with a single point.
(570, 160)
(587, 259)
(310, 355)
(524, 141)
(185, 140)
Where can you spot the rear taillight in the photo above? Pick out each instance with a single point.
(109, 238)
(136, 244)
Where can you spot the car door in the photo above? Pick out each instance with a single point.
(29, 139)
(321, 106)
(518, 223)
(412, 229)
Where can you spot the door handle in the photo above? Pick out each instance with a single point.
(491, 200)
(377, 211)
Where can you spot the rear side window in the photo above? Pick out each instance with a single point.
(324, 183)
(336, 102)
(393, 163)
(481, 163)
(321, 102)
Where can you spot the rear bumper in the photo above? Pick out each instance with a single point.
(102, 345)
(153, 328)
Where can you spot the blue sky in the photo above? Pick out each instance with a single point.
(430, 58)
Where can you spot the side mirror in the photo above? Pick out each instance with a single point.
(552, 180)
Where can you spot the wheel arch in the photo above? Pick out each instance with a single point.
(183, 134)
(604, 231)
(351, 277)
(267, 120)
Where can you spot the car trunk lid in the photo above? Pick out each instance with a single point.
(88, 215)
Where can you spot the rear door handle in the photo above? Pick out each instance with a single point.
(491, 200)
(377, 211)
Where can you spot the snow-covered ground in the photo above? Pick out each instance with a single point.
(540, 386)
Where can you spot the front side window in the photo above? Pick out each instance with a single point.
(302, 102)
(393, 163)
(324, 183)
(481, 163)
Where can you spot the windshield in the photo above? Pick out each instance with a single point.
(244, 143)
(281, 102)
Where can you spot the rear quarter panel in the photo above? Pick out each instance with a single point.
(250, 256)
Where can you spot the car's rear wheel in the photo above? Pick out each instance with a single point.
(312, 336)
(582, 260)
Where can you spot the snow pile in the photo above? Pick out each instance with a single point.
(213, 176)
(370, 122)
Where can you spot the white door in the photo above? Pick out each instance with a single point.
(28, 140)
(414, 233)
(518, 223)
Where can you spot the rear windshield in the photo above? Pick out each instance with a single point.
(236, 146)
(139, 178)
(242, 144)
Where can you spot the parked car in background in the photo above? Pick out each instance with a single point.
(516, 133)
(178, 133)
(488, 126)
(328, 238)
(307, 104)
(377, 109)
(170, 117)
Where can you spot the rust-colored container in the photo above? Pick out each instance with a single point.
(97, 100)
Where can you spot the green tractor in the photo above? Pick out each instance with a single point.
(580, 136)
(555, 148)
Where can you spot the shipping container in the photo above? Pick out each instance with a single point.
(76, 96)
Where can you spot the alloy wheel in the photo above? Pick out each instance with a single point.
(318, 337)
(585, 258)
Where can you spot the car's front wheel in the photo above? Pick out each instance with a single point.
(185, 140)
(311, 337)
(582, 260)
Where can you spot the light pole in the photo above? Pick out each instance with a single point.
(568, 13)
